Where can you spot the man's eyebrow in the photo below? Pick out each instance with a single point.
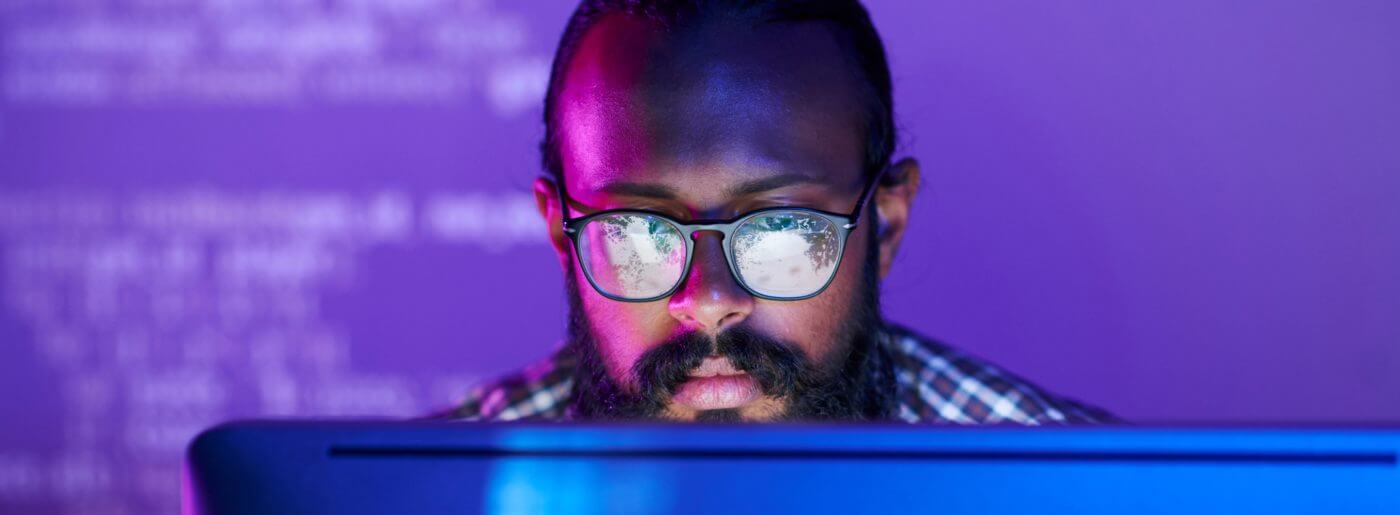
(769, 183)
(640, 189)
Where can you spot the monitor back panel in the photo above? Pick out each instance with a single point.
(384, 467)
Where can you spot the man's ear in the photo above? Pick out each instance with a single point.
(547, 203)
(893, 200)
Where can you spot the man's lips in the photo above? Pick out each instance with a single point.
(717, 384)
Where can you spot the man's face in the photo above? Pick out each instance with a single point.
(711, 123)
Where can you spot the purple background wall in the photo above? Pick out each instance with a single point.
(212, 209)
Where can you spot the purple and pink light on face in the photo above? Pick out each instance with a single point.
(709, 123)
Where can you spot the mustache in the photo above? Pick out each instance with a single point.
(778, 368)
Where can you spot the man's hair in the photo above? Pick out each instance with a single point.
(849, 21)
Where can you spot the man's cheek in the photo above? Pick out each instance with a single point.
(622, 332)
(620, 360)
(809, 324)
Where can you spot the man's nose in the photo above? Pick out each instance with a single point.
(711, 299)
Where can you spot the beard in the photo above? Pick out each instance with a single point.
(856, 383)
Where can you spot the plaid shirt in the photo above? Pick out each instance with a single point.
(934, 384)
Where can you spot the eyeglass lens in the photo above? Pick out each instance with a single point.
(780, 254)
(632, 256)
(786, 254)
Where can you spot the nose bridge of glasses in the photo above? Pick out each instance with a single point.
(694, 230)
(709, 264)
(718, 257)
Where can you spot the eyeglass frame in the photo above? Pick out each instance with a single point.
(844, 225)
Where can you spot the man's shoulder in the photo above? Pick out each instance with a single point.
(539, 391)
(937, 383)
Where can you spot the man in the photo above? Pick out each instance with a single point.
(721, 197)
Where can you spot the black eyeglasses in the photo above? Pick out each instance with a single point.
(776, 253)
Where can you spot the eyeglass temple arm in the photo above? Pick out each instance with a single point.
(870, 188)
(563, 203)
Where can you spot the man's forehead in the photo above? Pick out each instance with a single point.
(708, 113)
(702, 183)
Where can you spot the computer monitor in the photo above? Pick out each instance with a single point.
(453, 467)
